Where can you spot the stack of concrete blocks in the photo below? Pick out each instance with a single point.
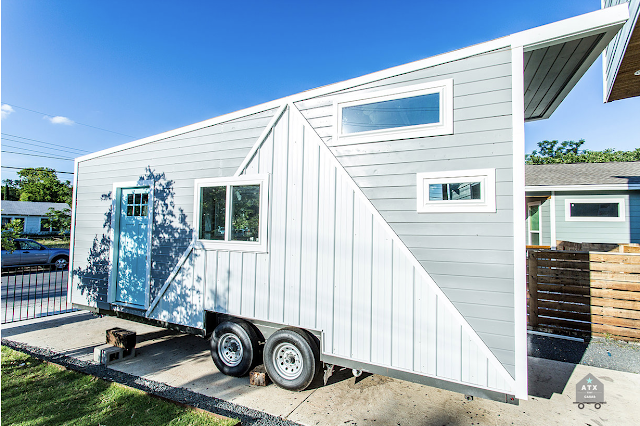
(121, 344)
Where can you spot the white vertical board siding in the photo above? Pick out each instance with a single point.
(334, 265)
(469, 255)
(182, 303)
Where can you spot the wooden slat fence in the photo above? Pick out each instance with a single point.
(584, 294)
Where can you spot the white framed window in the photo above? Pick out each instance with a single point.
(231, 213)
(457, 191)
(534, 223)
(407, 112)
(594, 210)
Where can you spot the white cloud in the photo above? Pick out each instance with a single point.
(59, 120)
(6, 110)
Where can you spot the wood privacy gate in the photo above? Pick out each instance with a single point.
(584, 294)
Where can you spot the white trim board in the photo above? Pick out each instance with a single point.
(568, 188)
(607, 21)
(519, 212)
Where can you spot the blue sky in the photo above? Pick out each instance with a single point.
(123, 70)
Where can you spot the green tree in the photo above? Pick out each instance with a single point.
(550, 152)
(10, 232)
(38, 184)
(60, 220)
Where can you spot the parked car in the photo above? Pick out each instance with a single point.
(29, 252)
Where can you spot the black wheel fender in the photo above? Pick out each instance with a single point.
(309, 353)
(246, 336)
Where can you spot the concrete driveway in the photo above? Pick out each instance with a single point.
(183, 361)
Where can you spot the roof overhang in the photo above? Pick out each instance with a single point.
(557, 56)
(621, 59)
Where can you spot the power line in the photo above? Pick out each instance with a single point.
(38, 146)
(47, 143)
(82, 124)
(22, 168)
(35, 155)
(26, 149)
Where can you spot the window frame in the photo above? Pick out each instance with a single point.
(226, 244)
(486, 204)
(622, 210)
(443, 127)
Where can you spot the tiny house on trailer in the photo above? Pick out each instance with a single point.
(374, 224)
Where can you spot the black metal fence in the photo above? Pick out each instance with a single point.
(33, 291)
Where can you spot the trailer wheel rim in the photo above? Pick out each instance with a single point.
(287, 360)
(230, 349)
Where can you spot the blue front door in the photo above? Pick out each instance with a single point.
(133, 246)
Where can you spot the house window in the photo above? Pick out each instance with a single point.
(457, 191)
(534, 225)
(595, 210)
(231, 212)
(414, 111)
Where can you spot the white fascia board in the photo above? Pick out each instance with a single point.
(567, 188)
(611, 18)
(588, 24)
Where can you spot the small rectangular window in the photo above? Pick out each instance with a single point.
(399, 113)
(229, 212)
(597, 210)
(456, 191)
(411, 111)
(594, 209)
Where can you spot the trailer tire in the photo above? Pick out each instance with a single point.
(291, 358)
(234, 346)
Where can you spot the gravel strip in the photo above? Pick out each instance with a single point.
(247, 416)
(599, 352)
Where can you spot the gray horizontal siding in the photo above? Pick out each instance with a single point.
(173, 163)
(597, 231)
(482, 138)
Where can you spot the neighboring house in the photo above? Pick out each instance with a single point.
(621, 58)
(33, 215)
(583, 202)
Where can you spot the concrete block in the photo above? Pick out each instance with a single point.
(122, 338)
(258, 376)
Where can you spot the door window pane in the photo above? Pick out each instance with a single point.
(245, 213)
(411, 111)
(213, 202)
(595, 209)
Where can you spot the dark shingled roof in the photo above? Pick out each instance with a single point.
(621, 173)
(29, 208)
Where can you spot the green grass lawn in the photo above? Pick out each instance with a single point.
(53, 242)
(38, 393)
